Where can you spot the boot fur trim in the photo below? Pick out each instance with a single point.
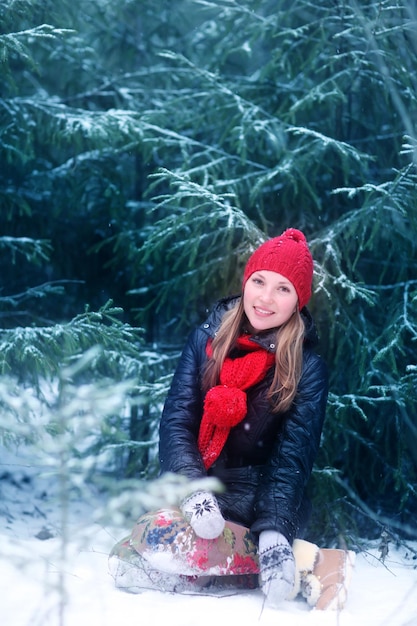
(311, 589)
(305, 554)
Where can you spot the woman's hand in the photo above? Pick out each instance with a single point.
(277, 566)
(203, 514)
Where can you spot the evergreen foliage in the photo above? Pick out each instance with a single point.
(147, 148)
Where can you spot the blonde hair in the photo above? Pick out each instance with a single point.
(288, 356)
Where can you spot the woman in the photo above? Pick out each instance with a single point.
(246, 406)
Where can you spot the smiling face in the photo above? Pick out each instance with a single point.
(269, 300)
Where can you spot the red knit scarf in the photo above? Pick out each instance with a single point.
(225, 404)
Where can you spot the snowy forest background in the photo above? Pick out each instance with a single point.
(146, 149)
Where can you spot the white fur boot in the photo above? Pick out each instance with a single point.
(322, 575)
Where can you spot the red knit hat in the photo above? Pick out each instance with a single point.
(288, 255)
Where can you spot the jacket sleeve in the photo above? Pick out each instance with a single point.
(285, 476)
(181, 416)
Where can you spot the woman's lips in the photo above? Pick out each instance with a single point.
(262, 312)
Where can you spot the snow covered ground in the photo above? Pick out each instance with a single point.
(43, 583)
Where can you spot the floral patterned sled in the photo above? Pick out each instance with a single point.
(163, 552)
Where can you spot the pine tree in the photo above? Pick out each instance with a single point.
(149, 149)
(278, 121)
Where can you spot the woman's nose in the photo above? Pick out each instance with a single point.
(266, 295)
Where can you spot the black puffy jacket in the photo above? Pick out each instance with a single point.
(267, 460)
